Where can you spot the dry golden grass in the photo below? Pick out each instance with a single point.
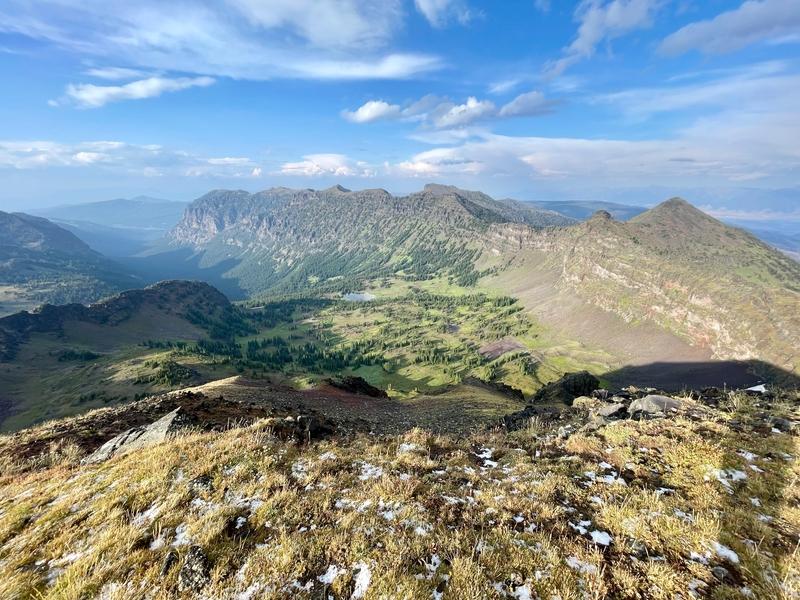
(635, 510)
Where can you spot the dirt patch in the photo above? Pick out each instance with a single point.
(497, 349)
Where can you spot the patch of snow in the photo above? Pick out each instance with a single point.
(726, 477)
(182, 537)
(362, 579)
(146, 517)
(328, 576)
(369, 471)
(601, 538)
(407, 447)
(523, 592)
(748, 456)
(327, 455)
(299, 470)
(725, 553)
(573, 562)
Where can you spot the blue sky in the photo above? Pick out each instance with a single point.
(631, 100)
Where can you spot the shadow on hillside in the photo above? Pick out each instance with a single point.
(185, 264)
(676, 376)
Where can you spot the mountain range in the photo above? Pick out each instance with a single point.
(42, 262)
(120, 227)
(466, 289)
(711, 285)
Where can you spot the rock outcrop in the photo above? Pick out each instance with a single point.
(569, 387)
(141, 437)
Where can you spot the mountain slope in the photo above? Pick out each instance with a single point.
(42, 262)
(670, 271)
(62, 360)
(714, 285)
(121, 227)
(282, 239)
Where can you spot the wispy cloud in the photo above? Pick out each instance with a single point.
(88, 95)
(753, 21)
(752, 215)
(528, 104)
(603, 21)
(245, 39)
(761, 88)
(115, 73)
(439, 12)
(148, 160)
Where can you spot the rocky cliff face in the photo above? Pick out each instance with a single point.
(717, 286)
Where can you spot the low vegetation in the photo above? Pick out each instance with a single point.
(702, 504)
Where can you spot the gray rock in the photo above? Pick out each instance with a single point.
(201, 484)
(140, 437)
(195, 572)
(169, 560)
(653, 405)
(594, 423)
(722, 574)
(781, 424)
(611, 410)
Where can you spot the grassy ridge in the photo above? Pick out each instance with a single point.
(637, 509)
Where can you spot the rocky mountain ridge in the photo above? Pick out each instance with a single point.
(715, 285)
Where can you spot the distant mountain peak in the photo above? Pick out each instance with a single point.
(338, 188)
(602, 215)
(676, 211)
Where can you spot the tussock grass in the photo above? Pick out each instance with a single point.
(634, 510)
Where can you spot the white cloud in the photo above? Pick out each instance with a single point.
(118, 157)
(501, 87)
(439, 12)
(752, 22)
(246, 39)
(88, 95)
(729, 146)
(751, 215)
(603, 21)
(760, 88)
(230, 160)
(115, 73)
(530, 103)
(457, 115)
(256, 172)
(542, 5)
(338, 165)
(87, 158)
(327, 23)
(374, 110)
(435, 112)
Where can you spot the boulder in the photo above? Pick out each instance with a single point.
(141, 437)
(195, 572)
(585, 402)
(569, 387)
(615, 409)
(652, 406)
(781, 424)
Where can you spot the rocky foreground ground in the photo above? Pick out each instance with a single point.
(626, 495)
